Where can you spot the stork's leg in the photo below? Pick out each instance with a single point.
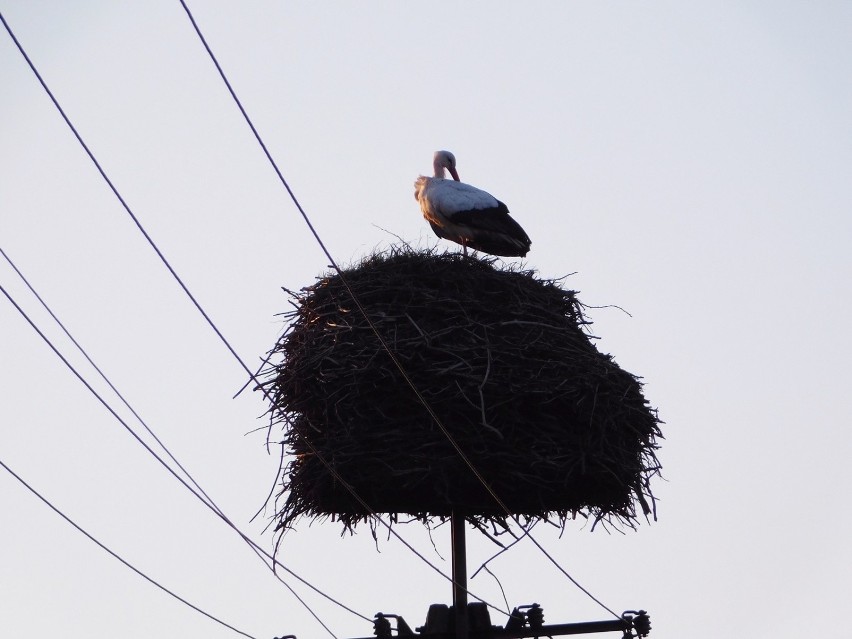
(464, 247)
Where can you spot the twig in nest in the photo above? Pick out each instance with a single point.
(484, 565)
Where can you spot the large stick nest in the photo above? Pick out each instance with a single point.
(505, 362)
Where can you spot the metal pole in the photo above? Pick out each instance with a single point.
(459, 574)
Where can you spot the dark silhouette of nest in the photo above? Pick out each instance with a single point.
(504, 360)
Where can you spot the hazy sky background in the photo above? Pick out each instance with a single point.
(689, 162)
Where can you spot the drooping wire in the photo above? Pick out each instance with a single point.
(252, 544)
(201, 494)
(255, 547)
(118, 195)
(108, 382)
(264, 555)
(118, 557)
(206, 499)
(375, 330)
(221, 336)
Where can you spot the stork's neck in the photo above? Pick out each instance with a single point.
(440, 170)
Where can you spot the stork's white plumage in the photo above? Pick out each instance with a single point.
(467, 215)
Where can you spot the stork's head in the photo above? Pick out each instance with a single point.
(445, 160)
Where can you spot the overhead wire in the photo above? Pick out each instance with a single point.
(195, 302)
(258, 550)
(375, 330)
(118, 195)
(201, 494)
(115, 555)
(262, 554)
(107, 380)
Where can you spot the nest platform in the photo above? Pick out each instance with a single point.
(507, 365)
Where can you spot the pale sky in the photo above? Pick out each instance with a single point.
(688, 162)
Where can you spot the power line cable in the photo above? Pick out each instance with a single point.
(118, 195)
(117, 556)
(375, 330)
(177, 278)
(204, 314)
(201, 494)
(144, 444)
(209, 501)
(108, 382)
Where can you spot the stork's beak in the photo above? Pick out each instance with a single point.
(454, 173)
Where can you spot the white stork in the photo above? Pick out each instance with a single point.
(466, 215)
